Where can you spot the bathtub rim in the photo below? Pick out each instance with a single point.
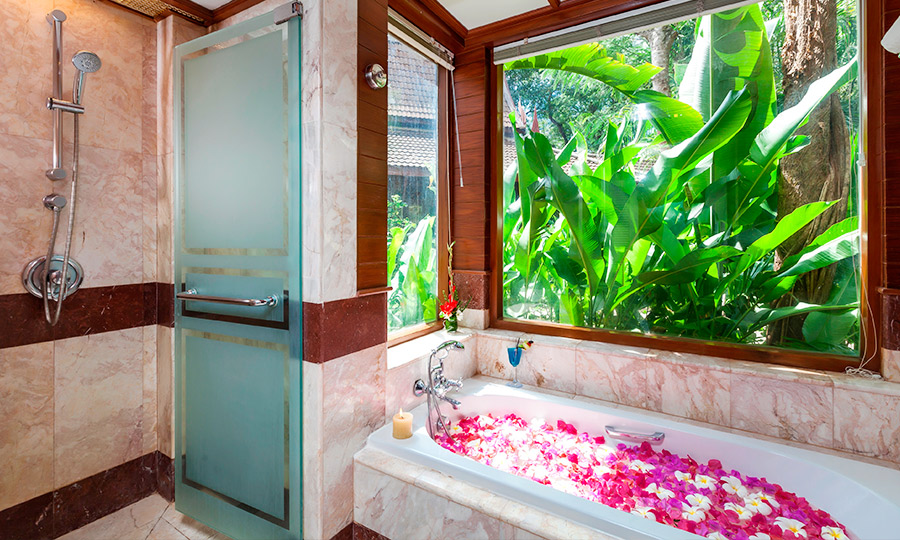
(868, 472)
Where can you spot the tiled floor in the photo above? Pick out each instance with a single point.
(153, 518)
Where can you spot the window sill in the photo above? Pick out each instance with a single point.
(416, 349)
(735, 366)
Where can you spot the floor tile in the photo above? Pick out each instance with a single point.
(133, 522)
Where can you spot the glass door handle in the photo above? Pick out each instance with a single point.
(192, 294)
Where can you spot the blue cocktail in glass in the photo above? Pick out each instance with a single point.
(515, 357)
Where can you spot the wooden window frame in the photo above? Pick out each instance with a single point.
(443, 212)
(871, 90)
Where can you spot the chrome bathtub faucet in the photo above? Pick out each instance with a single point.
(438, 386)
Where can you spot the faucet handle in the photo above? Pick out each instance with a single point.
(457, 383)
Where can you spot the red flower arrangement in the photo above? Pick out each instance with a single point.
(450, 309)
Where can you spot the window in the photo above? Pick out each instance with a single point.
(666, 183)
(416, 188)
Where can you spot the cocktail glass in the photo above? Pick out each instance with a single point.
(515, 357)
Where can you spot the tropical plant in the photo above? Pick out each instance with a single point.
(688, 247)
(413, 274)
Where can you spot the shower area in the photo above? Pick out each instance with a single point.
(53, 277)
(150, 282)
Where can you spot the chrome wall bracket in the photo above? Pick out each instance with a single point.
(287, 12)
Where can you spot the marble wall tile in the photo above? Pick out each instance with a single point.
(377, 497)
(476, 319)
(165, 240)
(795, 411)
(98, 403)
(113, 96)
(338, 209)
(24, 222)
(867, 423)
(165, 45)
(165, 398)
(339, 76)
(26, 431)
(890, 365)
(108, 223)
(398, 387)
(492, 358)
(148, 210)
(149, 92)
(408, 362)
(353, 407)
(546, 365)
(692, 391)
(25, 41)
(313, 452)
(149, 406)
(618, 376)
(312, 212)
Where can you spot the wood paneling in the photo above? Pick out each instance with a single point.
(371, 161)
(548, 19)
(441, 25)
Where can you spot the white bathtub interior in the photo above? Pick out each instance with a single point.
(862, 496)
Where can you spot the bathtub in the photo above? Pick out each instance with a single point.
(862, 496)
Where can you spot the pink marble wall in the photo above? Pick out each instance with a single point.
(75, 407)
(828, 410)
(168, 33)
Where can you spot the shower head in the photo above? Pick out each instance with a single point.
(85, 62)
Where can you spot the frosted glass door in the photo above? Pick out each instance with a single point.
(237, 239)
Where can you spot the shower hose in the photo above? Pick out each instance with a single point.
(63, 289)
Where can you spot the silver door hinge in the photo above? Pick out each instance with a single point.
(287, 12)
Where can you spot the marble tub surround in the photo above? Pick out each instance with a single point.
(827, 410)
(408, 362)
(444, 507)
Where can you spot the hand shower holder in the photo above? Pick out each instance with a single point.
(66, 106)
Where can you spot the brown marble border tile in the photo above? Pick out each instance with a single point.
(335, 329)
(165, 476)
(30, 520)
(54, 514)
(473, 286)
(355, 531)
(361, 532)
(90, 311)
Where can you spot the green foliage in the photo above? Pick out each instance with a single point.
(686, 248)
(413, 276)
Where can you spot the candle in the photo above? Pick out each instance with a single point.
(402, 425)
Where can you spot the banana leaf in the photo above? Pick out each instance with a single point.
(690, 268)
(769, 145)
(564, 195)
(763, 317)
(833, 329)
(675, 120)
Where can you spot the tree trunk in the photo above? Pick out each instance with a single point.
(660, 39)
(821, 171)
